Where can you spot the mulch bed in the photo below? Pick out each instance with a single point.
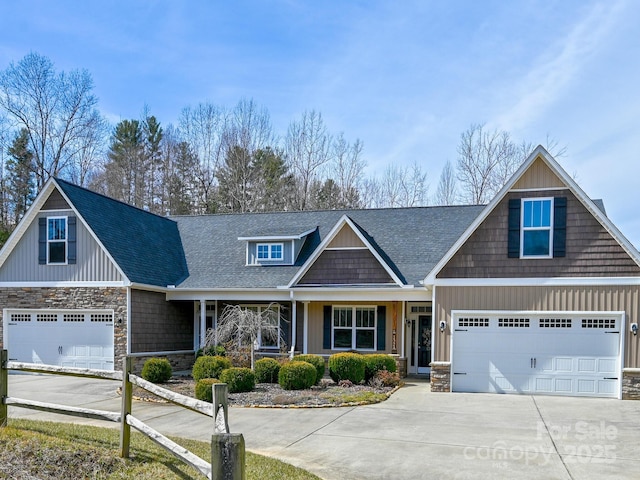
(327, 394)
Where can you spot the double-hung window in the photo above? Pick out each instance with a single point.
(537, 228)
(354, 328)
(269, 251)
(56, 240)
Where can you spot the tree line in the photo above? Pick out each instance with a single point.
(215, 159)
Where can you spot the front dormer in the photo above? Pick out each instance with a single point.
(274, 249)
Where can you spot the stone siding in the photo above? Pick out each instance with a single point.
(401, 365)
(73, 298)
(631, 384)
(440, 376)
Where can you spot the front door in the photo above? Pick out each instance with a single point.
(423, 343)
(419, 343)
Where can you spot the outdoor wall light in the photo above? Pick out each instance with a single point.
(443, 325)
(634, 328)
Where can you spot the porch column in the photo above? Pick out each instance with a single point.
(305, 328)
(203, 321)
(294, 323)
(403, 329)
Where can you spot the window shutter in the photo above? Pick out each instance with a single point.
(326, 330)
(559, 226)
(381, 327)
(42, 241)
(71, 240)
(514, 228)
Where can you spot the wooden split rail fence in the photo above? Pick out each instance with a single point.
(227, 449)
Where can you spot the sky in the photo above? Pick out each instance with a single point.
(404, 77)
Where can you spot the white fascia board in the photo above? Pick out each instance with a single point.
(537, 282)
(330, 236)
(61, 284)
(361, 294)
(555, 167)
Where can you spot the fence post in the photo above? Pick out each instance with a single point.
(127, 392)
(4, 387)
(227, 449)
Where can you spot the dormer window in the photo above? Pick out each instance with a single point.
(270, 251)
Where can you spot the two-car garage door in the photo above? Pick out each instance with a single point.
(73, 338)
(523, 352)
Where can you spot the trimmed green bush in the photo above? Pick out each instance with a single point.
(316, 360)
(211, 351)
(296, 375)
(204, 390)
(157, 370)
(376, 362)
(267, 370)
(209, 367)
(347, 366)
(239, 379)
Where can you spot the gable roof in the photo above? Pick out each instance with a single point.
(410, 241)
(596, 208)
(146, 247)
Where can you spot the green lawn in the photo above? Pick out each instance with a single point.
(46, 450)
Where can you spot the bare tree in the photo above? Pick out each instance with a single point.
(57, 109)
(246, 325)
(348, 167)
(446, 192)
(307, 150)
(400, 186)
(203, 127)
(90, 152)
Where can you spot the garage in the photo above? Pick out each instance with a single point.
(554, 353)
(69, 338)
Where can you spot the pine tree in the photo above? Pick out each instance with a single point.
(21, 182)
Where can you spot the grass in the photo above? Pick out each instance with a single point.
(364, 397)
(47, 450)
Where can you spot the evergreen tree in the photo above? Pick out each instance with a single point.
(21, 182)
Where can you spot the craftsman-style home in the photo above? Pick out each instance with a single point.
(536, 292)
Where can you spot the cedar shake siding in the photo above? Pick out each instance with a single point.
(158, 325)
(590, 250)
(346, 267)
(561, 299)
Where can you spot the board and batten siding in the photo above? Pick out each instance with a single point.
(570, 298)
(590, 250)
(92, 264)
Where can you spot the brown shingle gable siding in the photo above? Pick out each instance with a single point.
(346, 267)
(591, 250)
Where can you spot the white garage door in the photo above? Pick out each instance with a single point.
(71, 338)
(520, 352)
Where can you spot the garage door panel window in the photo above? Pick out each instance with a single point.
(513, 322)
(555, 323)
(354, 328)
(598, 323)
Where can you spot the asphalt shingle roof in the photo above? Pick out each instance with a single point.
(411, 240)
(147, 247)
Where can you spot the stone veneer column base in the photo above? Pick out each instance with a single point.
(440, 376)
(631, 384)
(401, 365)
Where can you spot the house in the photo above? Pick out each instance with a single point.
(536, 292)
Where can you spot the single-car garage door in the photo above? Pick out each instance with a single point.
(537, 353)
(70, 338)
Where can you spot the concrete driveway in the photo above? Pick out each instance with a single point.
(413, 435)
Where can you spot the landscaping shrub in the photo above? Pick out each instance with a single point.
(267, 370)
(204, 390)
(212, 351)
(157, 370)
(296, 375)
(239, 379)
(384, 378)
(316, 360)
(376, 362)
(209, 367)
(347, 366)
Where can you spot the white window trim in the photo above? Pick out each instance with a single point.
(66, 239)
(261, 307)
(354, 329)
(270, 251)
(524, 229)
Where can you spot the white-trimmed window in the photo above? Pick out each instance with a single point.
(269, 251)
(272, 314)
(353, 328)
(56, 240)
(536, 239)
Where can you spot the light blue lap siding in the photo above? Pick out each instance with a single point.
(92, 263)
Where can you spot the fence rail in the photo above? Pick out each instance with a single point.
(227, 450)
